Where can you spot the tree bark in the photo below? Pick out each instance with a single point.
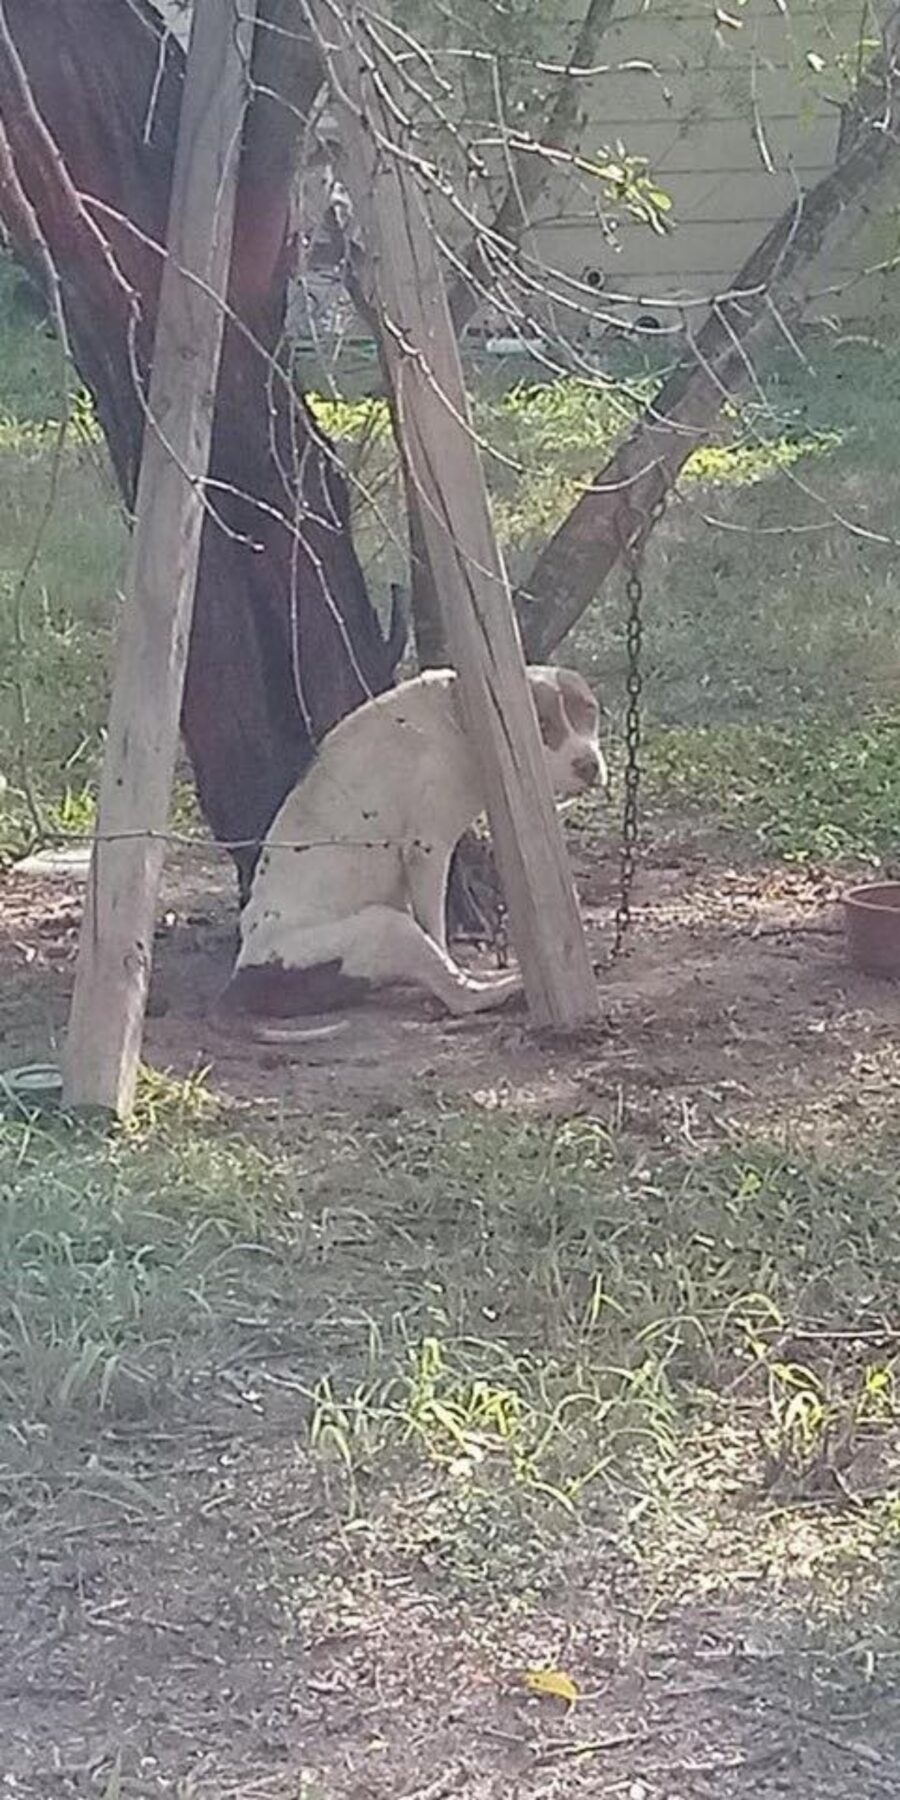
(284, 641)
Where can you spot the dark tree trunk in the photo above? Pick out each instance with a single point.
(284, 641)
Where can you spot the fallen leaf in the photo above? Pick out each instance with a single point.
(553, 1682)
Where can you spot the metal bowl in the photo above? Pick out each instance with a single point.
(872, 924)
(33, 1088)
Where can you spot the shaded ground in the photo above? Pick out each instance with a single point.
(256, 1650)
(735, 999)
(194, 1604)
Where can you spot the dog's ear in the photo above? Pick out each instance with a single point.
(581, 705)
(548, 704)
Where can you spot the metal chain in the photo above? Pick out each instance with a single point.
(634, 641)
(630, 812)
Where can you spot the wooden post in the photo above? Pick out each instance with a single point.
(116, 946)
(474, 590)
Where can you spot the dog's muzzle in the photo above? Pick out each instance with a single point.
(589, 770)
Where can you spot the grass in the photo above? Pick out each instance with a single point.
(436, 1390)
(774, 570)
(61, 527)
(434, 1380)
(820, 792)
(499, 1340)
(548, 1321)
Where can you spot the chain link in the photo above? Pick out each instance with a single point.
(634, 641)
(493, 917)
(634, 638)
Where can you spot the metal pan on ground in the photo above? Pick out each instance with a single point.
(34, 1088)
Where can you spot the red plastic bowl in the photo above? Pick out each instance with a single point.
(872, 922)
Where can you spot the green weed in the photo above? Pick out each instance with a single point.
(774, 571)
(815, 792)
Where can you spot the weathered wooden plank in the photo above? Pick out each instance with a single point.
(471, 578)
(116, 946)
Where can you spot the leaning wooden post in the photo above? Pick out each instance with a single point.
(115, 951)
(443, 459)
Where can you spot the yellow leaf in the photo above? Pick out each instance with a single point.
(552, 1681)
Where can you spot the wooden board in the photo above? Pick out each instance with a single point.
(390, 208)
(116, 946)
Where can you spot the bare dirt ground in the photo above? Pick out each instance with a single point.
(194, 1612)
(735, 997)
(214, 1630)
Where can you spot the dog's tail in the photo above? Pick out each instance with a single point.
(290, 1034)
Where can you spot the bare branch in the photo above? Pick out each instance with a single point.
(619, 508)
(280, 589)
(529, 173)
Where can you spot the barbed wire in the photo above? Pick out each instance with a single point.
(514, 277)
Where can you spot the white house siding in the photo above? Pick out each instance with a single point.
(735, 120)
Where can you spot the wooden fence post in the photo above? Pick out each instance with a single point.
(480, 623)
(116, 946)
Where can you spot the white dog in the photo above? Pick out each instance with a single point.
(350, 889)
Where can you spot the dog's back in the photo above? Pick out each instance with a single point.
(385, 779)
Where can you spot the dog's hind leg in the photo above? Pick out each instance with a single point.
(383, 945)
(426, 872)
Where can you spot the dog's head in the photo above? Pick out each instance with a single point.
(569, 721)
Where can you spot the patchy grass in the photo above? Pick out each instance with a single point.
(509, 1370)
(472, 1397)
(542, 1383)
(112, 1276)
(774, 570)
(479, 1390)
(817, 792)
(544, 1304)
